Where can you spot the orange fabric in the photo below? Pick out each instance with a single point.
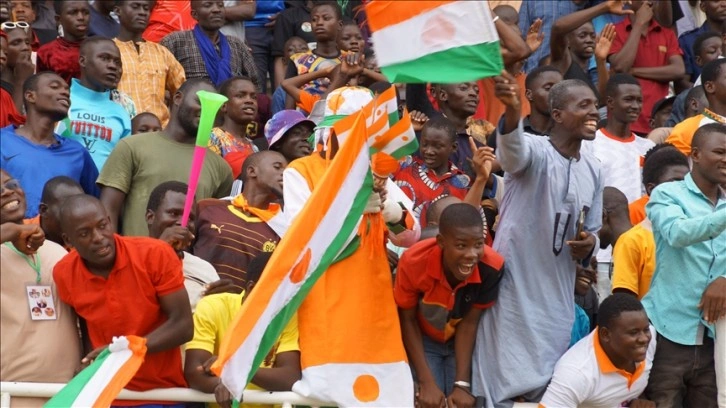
(167, 17)
(126, 372)
(127, 302)
(307, 100)
(382, 14)
(490, 108)
(637, 209)
(264, 214)
(682, 134)
(606, 366)
(34, 220)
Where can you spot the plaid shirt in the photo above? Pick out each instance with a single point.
(184, 47)
(148, 72)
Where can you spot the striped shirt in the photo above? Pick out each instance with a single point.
(183, 46)
(149, 71)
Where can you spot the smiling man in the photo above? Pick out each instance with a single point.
(529, 328)
(94, 119)
(442, 287)
(141, 162)
(610, 367)
(34, 153)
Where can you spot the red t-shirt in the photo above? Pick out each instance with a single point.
(127, 303)
(654, 50)
(169, 16)
(60, 56)
(421, 283)
(9, 115)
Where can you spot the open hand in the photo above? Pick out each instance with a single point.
(604, 42)
(418, 120)
(482, 159)
(535, 36)
(618, 7)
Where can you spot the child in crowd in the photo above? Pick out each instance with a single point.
(350, 38)
(443, 285)
(214, 314)
(294, 45)
(145, 122)
(61, 55)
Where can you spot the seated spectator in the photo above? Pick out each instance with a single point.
(231, 140)
(327, 22)
(440, 309)
(537, 87)
(292, 46)
(611, 366)
(689, 226)
(47, 101)
(102, 23)
(38, 342)
(169, 16)
(105, 278)
(150, 69)
(708, 47)
(145, 122)
(291, 22)
(61, 55)
(9, 114)
(17, 68)
(258, 33)
(140, 163)
(615, 222)
(648, 51)
(163, 216)
(94, 119)
(661, 171)
(230, 234)
(205, 52)
(288, 132)
(23, 10)
(714, 85)
(350, 38)
(212, 318)
(634, 252)
(661, 112)
(55, 192)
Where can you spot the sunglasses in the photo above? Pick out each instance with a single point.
(11, 184)
(10, 25)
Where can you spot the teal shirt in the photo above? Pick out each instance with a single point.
(95, 121)
(690, 240)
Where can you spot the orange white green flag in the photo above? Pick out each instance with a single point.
(324, 232)
(101, 382)
(434, 41)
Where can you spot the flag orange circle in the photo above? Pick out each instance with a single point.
(366, 388)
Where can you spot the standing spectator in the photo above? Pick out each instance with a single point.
(124, 286)
(23, 10)
(611, 366)
(230, 235)
(634, 254)
(688, 291)
(715, 11)
(34, 153)
(714, 85)
(45, 14)
(169, 16)
(38, 344)
(18, 66)
(443, 285)
(649, 52)
(163, 216)
(565, 182)
(259, 36)
(231, 139)
(102, 23)
(235, 14)
(141, 162)
(61, 55)
(292, 22)
(9, 114)
(205, 52)
(537, 90)
(94, 119)
(150, 70)
(55, 192)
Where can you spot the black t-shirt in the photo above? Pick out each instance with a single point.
(293, 22)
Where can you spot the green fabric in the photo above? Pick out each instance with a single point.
(68, 394)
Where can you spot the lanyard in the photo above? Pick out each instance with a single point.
(34, 261)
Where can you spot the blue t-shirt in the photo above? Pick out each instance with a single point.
(264, 10)
(33, 165)
(95, 121)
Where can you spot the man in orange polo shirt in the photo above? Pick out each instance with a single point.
(123, 286)
(443, 285)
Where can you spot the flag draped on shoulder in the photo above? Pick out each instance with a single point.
(100, 383)
(325, 231)
(434, 41)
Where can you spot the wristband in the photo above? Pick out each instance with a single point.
(462, 384)
(495, 19)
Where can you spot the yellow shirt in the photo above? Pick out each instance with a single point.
(634, 259)
(213, 316)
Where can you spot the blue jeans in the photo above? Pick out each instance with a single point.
(441, 361)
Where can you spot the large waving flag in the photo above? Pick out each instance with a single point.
(322, 233)
(99, 383)
(434, 41)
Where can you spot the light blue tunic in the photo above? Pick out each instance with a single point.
(522, 336)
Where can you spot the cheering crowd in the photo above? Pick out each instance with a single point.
(559, 238)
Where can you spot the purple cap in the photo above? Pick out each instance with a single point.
(281, 122)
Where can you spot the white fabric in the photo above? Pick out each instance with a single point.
(578, 381)
(234, 28)
(720, 358)
(197, 273)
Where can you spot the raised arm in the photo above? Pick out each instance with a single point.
(513, 151)
(243, 10)
(513, 46)
(293, 85)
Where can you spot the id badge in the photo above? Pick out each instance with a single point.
(40, 302)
